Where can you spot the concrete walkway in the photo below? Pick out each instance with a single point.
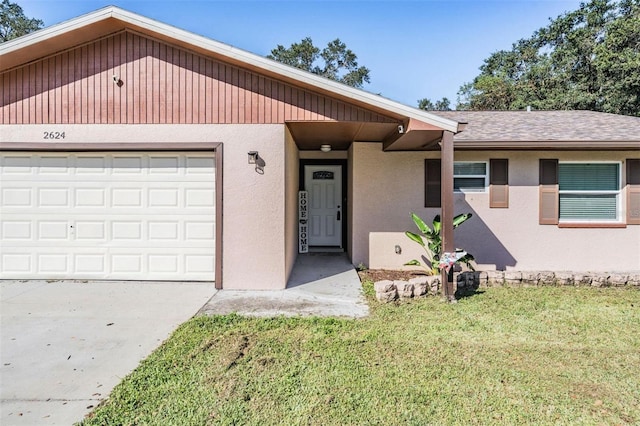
(65, 345)
(322, 284)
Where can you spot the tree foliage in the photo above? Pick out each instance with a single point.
(14, 23)
(443, 104)
(335, 61)
(585, 59)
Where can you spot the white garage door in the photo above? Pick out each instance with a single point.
(109, 215)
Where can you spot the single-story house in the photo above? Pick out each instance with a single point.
(133, 150)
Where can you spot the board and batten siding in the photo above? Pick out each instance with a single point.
(160, 84)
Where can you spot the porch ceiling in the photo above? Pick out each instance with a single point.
(309, 135)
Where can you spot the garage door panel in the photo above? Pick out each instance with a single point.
(90, 230)
(126, 164)
(90, 263)
(126, 197)
(163, 231)
(163, 197)
(17, 164)
(53, 197)
(54, 164)
(164, 164)
(53, 263)
(199, 263)
(16, 197)
(90, 197)
(199, 230)
(108, 216)
(199, 198)
(127, 263)
(53, 230)
(91, 165)
(16, 230)
(16, 263)
(199, 165)
(125, 180)
(125, 230)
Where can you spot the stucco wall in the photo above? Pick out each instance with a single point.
(387, 187)
(391, 185)
(292, 172)
(254, 204)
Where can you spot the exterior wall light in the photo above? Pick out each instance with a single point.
(117, 80)
(325, 148)
(253, 157)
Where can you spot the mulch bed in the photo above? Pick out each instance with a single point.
(385, 274)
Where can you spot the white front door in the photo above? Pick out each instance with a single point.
(324, 185)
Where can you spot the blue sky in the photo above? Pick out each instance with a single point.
(414, 49)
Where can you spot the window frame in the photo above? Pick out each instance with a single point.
(618, 195)
(485, 188)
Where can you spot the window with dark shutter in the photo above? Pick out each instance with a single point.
(589, 192)
(633, 191)
(470, 176)
(432, 177)
(499, 183)
(549, 196)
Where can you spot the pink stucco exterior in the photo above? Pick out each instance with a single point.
(389, 186)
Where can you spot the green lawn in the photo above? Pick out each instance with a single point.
(539, 355)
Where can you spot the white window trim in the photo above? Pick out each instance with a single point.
(617, 193)
(485, 176)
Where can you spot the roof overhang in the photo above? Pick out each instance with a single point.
(111, 19)
(414, 136)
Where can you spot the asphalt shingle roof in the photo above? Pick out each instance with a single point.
(528, 126)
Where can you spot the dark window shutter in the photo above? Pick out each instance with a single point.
(633, 191)
(549, 196)
(432, 178)
(499, 183)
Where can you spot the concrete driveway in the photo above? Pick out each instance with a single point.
(65, 345)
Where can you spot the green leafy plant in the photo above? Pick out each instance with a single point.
(433, 244)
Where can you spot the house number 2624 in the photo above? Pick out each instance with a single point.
(53, 135)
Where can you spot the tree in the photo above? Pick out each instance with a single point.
(443, 104)
(14, 23)
(585, 59)
(335, 61)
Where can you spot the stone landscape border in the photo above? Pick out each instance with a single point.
(422, 286)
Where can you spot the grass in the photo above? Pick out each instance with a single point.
(541, 355)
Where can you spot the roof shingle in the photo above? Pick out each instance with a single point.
(529, 126)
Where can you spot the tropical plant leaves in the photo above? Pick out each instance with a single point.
(422, 226)
(415, 237)
(433, 246)
(460, 219)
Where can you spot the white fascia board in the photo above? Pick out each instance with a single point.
(228, 51)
